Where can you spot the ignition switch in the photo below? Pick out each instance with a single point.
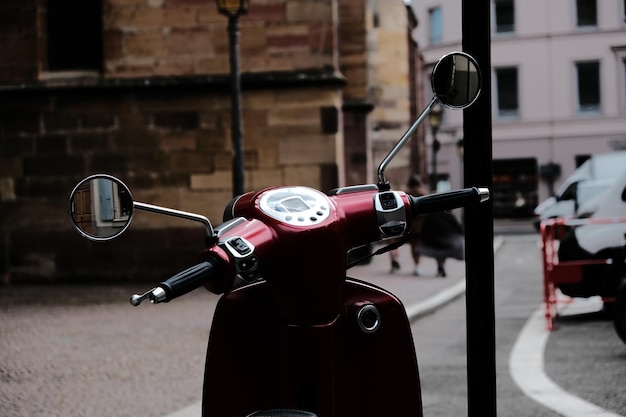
(368, 318)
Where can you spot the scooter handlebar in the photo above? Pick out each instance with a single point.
(182, 283)
(241, 240)
(448, 200)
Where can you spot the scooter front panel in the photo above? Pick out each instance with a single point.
(257, 362)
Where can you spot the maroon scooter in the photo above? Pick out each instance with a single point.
(292, 335)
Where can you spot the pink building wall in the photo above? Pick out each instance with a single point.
(544, 46)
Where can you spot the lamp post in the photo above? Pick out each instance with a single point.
(460, 150)
(233, 9)
(434, 118)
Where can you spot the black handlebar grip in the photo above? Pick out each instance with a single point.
(191, 278)
(448, 200)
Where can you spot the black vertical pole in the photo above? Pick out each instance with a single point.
(435, 150)
(236, 122)
(481, 363)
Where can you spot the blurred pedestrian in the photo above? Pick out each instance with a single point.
(442, 238)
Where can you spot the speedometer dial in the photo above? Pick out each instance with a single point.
(297, 206)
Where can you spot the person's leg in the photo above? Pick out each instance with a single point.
(415, 252)
(441, 270)
(393, 255)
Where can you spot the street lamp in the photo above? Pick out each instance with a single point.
(233, 9)
(434, 118)
(460, 150)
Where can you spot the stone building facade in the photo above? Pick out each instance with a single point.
(140, 89)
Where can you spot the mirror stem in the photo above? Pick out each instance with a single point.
(176, 213)
(383, 184)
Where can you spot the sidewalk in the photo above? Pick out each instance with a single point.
(419, 294)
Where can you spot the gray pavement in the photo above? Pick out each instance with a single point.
(84, 351)
(410, 289)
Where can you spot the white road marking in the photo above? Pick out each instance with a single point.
(527, 370)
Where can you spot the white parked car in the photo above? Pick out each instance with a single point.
(589, 180)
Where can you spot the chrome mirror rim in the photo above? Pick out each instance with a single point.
(71, 210)
(473, 62)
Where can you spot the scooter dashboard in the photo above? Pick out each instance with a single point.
(296, 206)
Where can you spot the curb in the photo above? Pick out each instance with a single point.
(431, 304)
(440, 299)
(194, 410)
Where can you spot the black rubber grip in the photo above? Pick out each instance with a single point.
(448, 200)
(192, 278)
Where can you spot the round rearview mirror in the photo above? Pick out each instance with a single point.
(101, 207)
(456, 80)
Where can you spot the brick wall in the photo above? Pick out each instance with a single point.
(388, 85)
(375, 60)
(172, 148)
(183, 37)
(159, 118)
(353, 15)
(18, 41)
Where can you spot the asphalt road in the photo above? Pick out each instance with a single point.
(583, 358)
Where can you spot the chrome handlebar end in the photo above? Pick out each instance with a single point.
(156, 295)
(484, 194)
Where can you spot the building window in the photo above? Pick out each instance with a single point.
(507, 92)
(74, 35)
(515, 184)
(434, 20)
(586, 13)
(588, 85)
(620, 55)
(376, 19)
(504, 12)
